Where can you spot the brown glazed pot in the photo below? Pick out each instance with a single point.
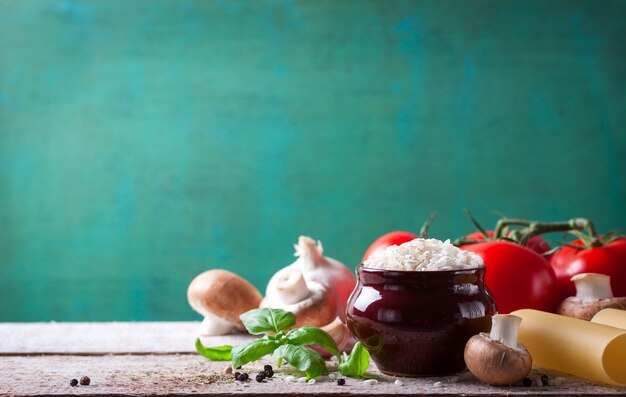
(416, 323)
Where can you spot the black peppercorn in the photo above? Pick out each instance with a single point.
(237, 375)
(267, 367)
(73, 382)
(544, 379)
(260, 377)
(526, 382)
(85, 381)
(243, 377)
(269, 372)
(341, 381)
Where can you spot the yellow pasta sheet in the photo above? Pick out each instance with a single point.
(581, 348)
(612, 317)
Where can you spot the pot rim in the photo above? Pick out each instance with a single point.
(391, 272)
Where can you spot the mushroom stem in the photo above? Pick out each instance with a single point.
(214, 325)
(504, 329)
(291, 287)
(592, 286)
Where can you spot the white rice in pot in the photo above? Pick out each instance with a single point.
(424, 255)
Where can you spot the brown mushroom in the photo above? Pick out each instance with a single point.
(221, 297)
(496, 358)
(593, 293)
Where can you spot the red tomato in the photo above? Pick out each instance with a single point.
(609, 259)
(535, 243)
(387, 240)
(517, 277)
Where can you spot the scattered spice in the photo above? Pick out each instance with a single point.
(269, 373)
(237, 375)
(341, 381)
(228, 370)
(267, 367)
(201, 379)
(85, 381)
(545, 380)
(527, 382)
(74, 382)
(260, 377)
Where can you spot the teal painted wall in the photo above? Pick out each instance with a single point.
(142, 142)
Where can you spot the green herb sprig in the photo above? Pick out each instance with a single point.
(287, 345)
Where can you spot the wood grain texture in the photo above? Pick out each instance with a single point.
(192, 375)
(158, 359)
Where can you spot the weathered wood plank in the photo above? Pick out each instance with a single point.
(192, 375)
(105, 338)
(160, 359)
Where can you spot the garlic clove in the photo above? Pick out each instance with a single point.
(337, 330)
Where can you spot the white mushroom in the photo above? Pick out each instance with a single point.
(593, 293)
(315, 288)
(221, 297)
(496, 358)
(317, 308)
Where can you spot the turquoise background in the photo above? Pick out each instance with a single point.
(142, 142)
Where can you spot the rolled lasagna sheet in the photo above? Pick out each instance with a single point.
(577, 347)
(612, 317)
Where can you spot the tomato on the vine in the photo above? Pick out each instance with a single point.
(609, 259)
(517, 277)
(387, 240)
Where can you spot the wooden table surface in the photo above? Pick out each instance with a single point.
(159, 359)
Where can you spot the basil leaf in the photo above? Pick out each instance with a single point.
(357, 362)
(308, 335)
(215, 353)
(261, 321)
(252, 351)
(304, 359)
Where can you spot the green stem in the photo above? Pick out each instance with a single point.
(503, 223)
(580, 224)
(477, 225)
(426, 225)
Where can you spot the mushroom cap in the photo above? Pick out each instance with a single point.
(317, 309)
(224, 294)
(495, 363)
(585, 310)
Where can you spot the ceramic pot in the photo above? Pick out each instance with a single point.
(416, 323)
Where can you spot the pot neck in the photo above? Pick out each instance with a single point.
(423, 279)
